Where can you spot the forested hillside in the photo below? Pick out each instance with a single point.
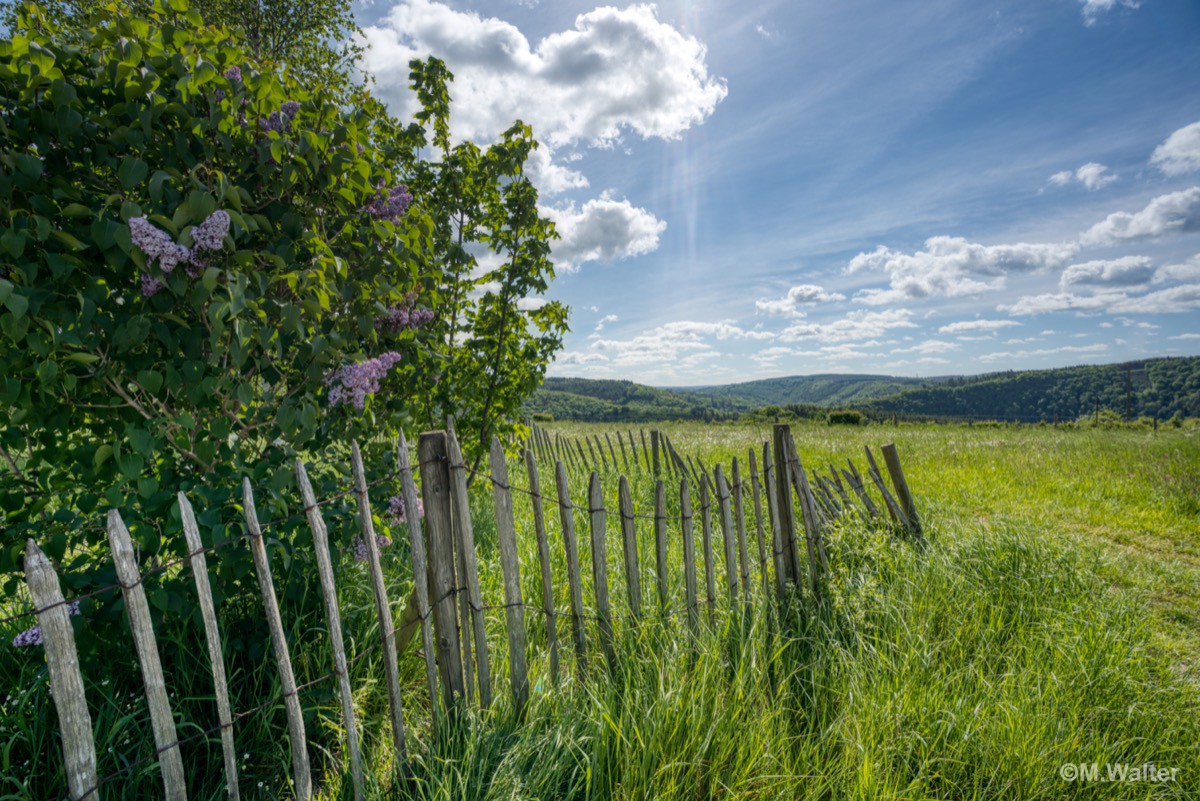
(821, 390)
(608, 401)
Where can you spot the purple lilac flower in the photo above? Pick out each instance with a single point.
(396, 509)
(151, 286)
(290, 109)
(398, 318)
(389, 204)
(33, 636)
(210, 234)
(360, 546)
(156, 244)
(234, 73)
(277, 121)
(353, 382)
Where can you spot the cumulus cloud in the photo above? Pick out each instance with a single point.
(1180, 153)
(550, 178)
(797, 296)
(930, 346)
(976, 325)
(1087, 350)
(1185, 272)
(603, 229)
(1125, 271)
(1176, 212)
(673, 343)
(614, 70)
(1174, 300)
(605, 320)
(1093, 9)
(856, 325)
(949, 266)
(531, 304)
(1093, 176)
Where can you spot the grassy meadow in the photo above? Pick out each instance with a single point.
(1054, 618)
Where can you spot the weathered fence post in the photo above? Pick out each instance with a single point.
(297, 739)
(212, 636)
(624, 458)
(660, 544)
(710, 580)
(739, 519)
(689, 554)
(777, 552)
(812, 520)
(539, 527)
(567, 518)
(387, 625)
(783, 504)
(138, 611)
(435, 492)
(854, 479)
(758, 523)
(62, 663)
(600, 569)
(729, 536)
(466, 546)
(333, 618)
(514, 605)
(892, 460)
(893, 507)
(633, 582)
(655, 447)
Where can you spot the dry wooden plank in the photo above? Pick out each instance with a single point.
(710, 579)
(66, 680)
(624, 457)
(654, 448)
(387, 630)
(539, 527)
(138, 610)
(739, 519)
(892, 460)
(689, 554)
(645, 450)
(460, 586)
(893, 507)
(466, 546)
(593, 461)
(510, 566)
(600, 450)
(439, 524)
(728, 536)
(297, 739)
(756, 493)
(583, 460)
(608, 439)
(333, 618)
(574, 584)
(777, 551)
(854, 479)
(416, 544)
(812, 524)
(840, 488)
(633, 582)
(660, 544)
(600, 568)
(785, 514)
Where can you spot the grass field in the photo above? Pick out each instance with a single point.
(1055, 618)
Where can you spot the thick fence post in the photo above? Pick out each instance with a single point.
(777, 553)
(138, 610)
(466, 546)
(212, 636)
(892, 460)
(435, 492)
(66, 681)
(514, 605)
(416, 544)
(812, 520)
(633, 582)
(600, 568)
(783, 504)
(387, 625)
(297, 740)
(574, 584)
(539, 527)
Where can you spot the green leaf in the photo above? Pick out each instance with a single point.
(132, 172)
(17, 304)
(103, 454)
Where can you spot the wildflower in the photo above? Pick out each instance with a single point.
(396, 509)
(360, 546)
(156, 244)
(290, 109)
(210, 234)
(389, 204)
(33, 636)
(151, 286)
(399, 318)
(353, 382)
(234, 73)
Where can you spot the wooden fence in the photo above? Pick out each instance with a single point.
(447, 606)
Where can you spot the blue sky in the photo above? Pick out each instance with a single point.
(747, 190)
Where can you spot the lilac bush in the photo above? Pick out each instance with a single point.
(33, 636)
(354, 382)
(396, 511)
(389, 204)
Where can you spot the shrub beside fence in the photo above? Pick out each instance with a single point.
(447, 604)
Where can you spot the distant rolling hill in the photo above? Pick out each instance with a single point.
(1156, 388)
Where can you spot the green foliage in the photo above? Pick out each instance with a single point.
(117, 398)
(616, 401)
(847, 417)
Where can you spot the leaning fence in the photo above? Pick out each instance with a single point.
(447, 606)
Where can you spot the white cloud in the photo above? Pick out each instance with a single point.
(1092, 9)
(930, 346)
(1092, 175)
(1185, 272)
(1185, 297)
(796, 296)
(531, 304)
(673, 343)
(947, 265)
(1170, 213)
(856, 325)
(603, 229)
(1185, 336)
(550, 178)
(1165, 301)
(1027, 354)
(605, 320)
(976, 325)
(614, 70)
(1125, 271)
(1180, 153)
(765, 32)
